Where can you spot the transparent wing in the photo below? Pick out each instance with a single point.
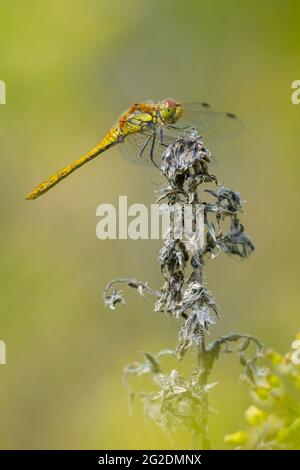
(146, 148)
(211, 124)
(139, 148)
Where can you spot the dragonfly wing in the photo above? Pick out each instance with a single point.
(214, 126)
(139, 148)
(211, 124)
(131, 148)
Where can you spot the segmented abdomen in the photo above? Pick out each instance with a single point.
(111, 138)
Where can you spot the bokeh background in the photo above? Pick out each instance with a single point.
(71, 67)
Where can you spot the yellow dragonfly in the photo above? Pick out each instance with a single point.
(145, 129)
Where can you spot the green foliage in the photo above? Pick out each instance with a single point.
(273, 420)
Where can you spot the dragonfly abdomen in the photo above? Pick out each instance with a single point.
(111, 138)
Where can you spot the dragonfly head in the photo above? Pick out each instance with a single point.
(170, 111)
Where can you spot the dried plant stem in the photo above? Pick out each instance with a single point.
(203, 366)
(201, 436)
(184, 401)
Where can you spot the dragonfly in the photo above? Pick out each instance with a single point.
(145, 129)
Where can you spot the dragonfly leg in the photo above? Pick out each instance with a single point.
(152, 150)
(161, 137)
(145, 145)
(168, 126)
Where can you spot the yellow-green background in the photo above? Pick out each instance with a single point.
(70, 68)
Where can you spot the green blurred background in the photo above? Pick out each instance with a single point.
(71, 67)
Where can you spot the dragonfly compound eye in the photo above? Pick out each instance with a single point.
(170, 103)
(168, 109)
